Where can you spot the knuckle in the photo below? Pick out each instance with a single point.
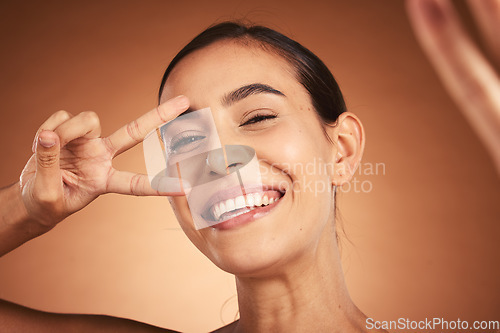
(91, 117)
(134, 131)
(61, 115)
(135, 185)
(110, 148)
(47, 160)
(162, 113)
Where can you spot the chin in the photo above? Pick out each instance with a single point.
(256, 241)
(250, 262)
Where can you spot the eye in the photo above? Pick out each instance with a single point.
(258, 118)
(185, 142)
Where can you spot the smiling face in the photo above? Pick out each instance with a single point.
(257, 101)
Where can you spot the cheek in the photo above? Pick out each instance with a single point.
(297, 149)
(182, 213)
(298, 152)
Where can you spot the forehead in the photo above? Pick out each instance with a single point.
(227, 65)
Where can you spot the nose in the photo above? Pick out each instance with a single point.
(229, 158)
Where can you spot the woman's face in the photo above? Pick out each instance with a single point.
(288, 138)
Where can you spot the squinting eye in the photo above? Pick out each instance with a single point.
(184, 143)
(258, 118)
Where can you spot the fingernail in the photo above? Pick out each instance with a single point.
(432, 10)
(46, 142)
(181, 101)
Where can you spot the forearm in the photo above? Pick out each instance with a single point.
(17, 318)
(16, 228)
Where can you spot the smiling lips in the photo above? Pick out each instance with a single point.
(224, 210)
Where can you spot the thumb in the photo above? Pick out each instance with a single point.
(48, 174)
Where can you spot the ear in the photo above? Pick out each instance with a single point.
(349, 139)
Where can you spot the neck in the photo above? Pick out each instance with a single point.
(310, 295)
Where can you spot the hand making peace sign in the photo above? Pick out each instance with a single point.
(72, 164)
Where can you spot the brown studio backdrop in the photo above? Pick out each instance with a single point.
(422, 243)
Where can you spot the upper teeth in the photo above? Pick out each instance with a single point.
(251, 201)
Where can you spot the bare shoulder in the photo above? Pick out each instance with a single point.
(17, 318)
(227, 329)
(100, 323)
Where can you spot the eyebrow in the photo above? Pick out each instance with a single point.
(247, 90)
(241, 93)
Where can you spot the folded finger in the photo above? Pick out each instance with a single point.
(51, 124)
(129, 183)
(85, 124)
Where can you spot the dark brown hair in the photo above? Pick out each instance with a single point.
(311, 72)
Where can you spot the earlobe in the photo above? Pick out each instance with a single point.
(350, 144)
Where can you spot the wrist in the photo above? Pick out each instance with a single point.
(14, 214)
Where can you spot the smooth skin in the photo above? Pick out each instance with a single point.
(26, 212)
(287, 264)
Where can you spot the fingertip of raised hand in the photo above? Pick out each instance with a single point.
(168, 186)
(171, 194)
(181, 102)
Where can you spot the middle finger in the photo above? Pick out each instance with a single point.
(135, 131)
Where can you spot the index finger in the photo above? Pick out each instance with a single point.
(135, 131)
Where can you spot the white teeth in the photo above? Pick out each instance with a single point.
(251, 201)
(230, 205)
(239, 202)
(222, 209)
(216, 211)
(257, 199)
